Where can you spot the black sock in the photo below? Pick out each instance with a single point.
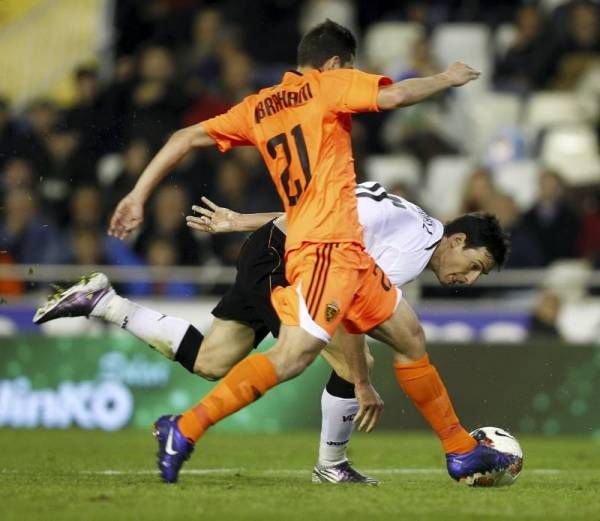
(189, 347)
(337, 386)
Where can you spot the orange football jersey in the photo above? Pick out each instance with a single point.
(302, 129)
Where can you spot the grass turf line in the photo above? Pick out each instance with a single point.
(61, 475)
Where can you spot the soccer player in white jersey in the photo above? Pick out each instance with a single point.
(398, 234)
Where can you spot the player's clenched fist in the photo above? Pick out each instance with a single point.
(128, 215)
(459, 73)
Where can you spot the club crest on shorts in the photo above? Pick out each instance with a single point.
(331, 311)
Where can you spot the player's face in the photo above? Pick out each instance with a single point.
(463, 266)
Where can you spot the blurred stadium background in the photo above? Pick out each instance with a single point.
(90, 89)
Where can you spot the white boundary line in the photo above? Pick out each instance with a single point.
(287, 472)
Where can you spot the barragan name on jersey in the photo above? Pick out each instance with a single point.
(398, 234)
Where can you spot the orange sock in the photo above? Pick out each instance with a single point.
(245, 383)
(422, 383)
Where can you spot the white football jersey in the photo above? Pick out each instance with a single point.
(398, 234)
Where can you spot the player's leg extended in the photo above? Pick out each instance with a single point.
(173, 337)
(245, 383)
(420, 380)
(310, 310)
(338, 408)
(422, 383)
(251, 378)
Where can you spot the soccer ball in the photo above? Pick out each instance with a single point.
(503, 441)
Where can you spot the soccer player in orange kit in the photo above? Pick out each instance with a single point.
(302, 129)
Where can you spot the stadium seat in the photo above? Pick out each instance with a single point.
(468, 43)
(389, 44)
(573, 152)
(488, 113)
(546, 109)
(579, 321)
(392, 169)
(568, 278)
(445, 185)
(588, 94)
(520, 180)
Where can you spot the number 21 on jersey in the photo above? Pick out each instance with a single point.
(281, 143)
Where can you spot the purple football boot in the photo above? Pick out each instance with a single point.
(173, 447)
(77, 301)
(479, 467)
(340, 473)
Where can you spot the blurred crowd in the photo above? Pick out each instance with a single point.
(178, 62)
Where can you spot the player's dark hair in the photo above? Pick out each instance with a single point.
(482, 229)
(324, 41)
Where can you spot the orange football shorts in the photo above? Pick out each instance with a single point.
(333, 284)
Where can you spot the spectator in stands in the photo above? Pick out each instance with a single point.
(552, 221)
(237, 75)
(86, 208)
(478, 193)
(162, 252)
(157, 102)
(87, 223)
(524, 251)
(211, 38)
(580, 47)
(233, 191)
(68, 166)
(202, 61)
(10, 137)
(136, 157)
(86, 246)
(422, 63)
(90, 115)
(25, 233)
(167, 221)
(40, 119)
(526, 64)
(544, 318)
(17, 173)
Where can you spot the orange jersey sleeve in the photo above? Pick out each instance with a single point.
(233, 128)
(351, 90)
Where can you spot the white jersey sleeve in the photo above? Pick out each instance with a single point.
(398, 234)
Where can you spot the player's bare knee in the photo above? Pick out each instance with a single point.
(208, 366)
(290, 362)
(208, 373)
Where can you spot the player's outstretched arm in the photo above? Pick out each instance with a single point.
(129, 212)
(217, 219)
(356, 351)
(409, 92)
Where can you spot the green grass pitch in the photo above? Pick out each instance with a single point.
(77, 475)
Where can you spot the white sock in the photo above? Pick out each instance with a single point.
(161, 332)
(336, 427)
